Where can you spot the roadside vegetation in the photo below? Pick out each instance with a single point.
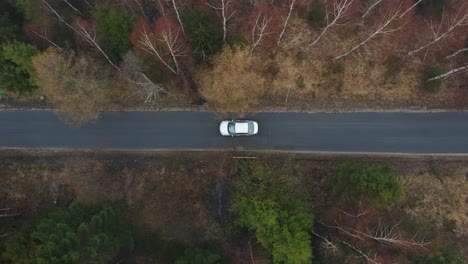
(211, 208)
(235, 56)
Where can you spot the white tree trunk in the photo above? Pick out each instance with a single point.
(456, 53)
(150, 47)
(447, 74)
(178, 17)
(285, 25)
(259, 32)
(223, 6)
(381, 29)
(371, 8)
(339, 11)
(460, 19)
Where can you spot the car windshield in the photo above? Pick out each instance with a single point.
(231, 128)
(251, 127)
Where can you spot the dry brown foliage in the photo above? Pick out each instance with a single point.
(78, 86)
(232, 84)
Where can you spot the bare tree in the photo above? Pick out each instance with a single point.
(163, 36)
(285, 25)
(224, 8)
(148, 45)
(367, 257)
(447, 74)
(176, 9)
(382, 234)
(259, 31)
(73, 7)
(440, 32)
(380, 30)
(175, 47)
(88, 33)
(456, 53)
(327, 245)
(371, 8)
(339, 11)
(43, 35)
(411, 7)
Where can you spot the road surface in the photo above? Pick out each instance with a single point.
(445, 132)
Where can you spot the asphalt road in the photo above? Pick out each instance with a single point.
(445, 132)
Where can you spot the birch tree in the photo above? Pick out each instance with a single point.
(376, 3)
(87, 31)
(132, 71)
(456, 53)
(176, 10)
(340, 9)
(81, 28)
(291, 6)
(224, 9)
(440, 31)
(447, 74)
(259, 31)
(382, 28)
(163, 40)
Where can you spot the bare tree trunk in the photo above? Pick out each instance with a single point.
(174, 46)
(461, 19)
(339, 11)
(259, 32)
(46, 38)
(150, 47)
(409, 9)
(381, 29)
(447, 74)
(223, 7)
(90, 37)
(285, 25)
(178, 17)
(361, 253)
(456, 53)
(371, 8)
(74, 8)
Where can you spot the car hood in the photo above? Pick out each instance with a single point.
(223, 128)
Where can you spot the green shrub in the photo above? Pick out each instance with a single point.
(365, 182)
(16, 70)
(115, 26)
(205, 36)
(316, 15)
(428, 73)
(198, 256)
(268, 179)
(25, 7)
(285, 233)
(71, 236)
(10, 24)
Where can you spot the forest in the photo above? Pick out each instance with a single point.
(83, 57)
(222, 208)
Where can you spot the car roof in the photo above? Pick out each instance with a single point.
(242, 128)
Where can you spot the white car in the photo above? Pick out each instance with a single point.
(238, 128)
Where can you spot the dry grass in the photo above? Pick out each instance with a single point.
(438, 200)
